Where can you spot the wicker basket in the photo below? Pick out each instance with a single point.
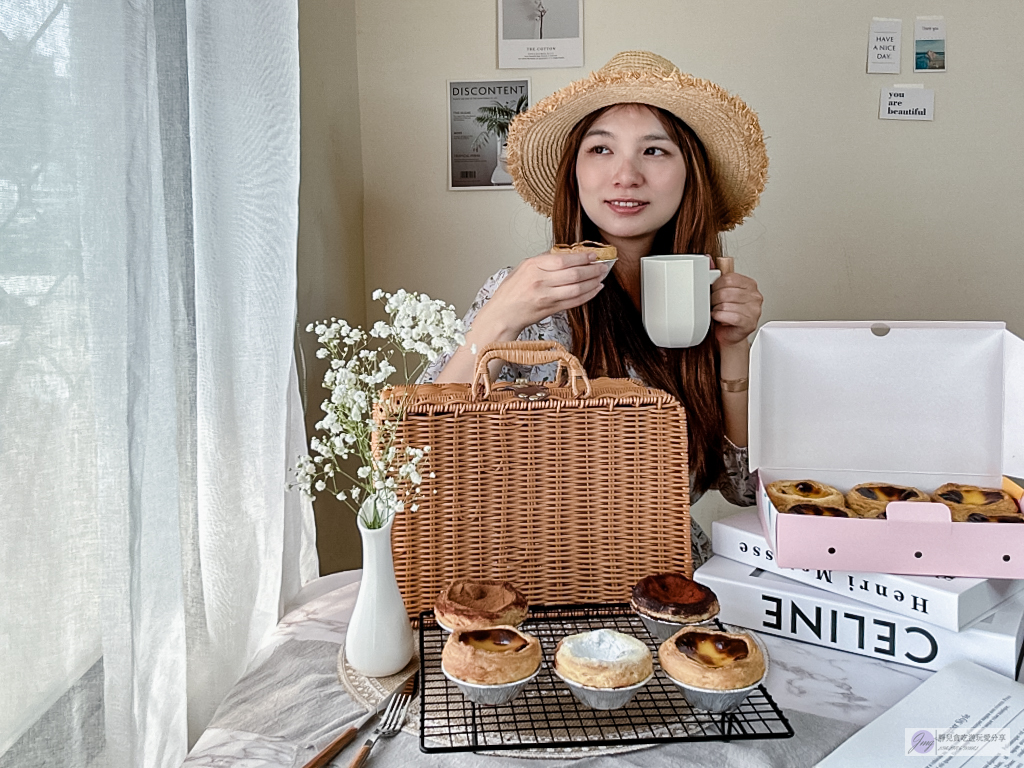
(573, 492)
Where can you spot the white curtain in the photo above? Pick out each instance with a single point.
(149, 408)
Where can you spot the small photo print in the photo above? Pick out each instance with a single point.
(539, 19)
(929, 54)
(479, 115)
(540, 34)
(929, 44)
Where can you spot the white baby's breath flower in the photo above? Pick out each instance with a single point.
(360, 367)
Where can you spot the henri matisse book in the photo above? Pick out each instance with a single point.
(945, 601)
(766, 602)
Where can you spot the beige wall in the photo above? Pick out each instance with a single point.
(330, 222)
(861, 219)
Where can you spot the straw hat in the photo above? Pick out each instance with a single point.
(728, 128)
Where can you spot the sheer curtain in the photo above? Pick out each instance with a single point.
(149, 407)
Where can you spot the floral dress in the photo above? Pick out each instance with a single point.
(735, 484)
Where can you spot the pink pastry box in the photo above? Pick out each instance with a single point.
(909, 403)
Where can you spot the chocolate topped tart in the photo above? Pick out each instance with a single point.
(712, 659)
(675, 598)
(480, 603)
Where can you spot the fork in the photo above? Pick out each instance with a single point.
(390, 722)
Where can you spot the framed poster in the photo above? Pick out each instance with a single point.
(540, 34)
(479, 114)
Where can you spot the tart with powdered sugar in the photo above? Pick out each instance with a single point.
(603, 658)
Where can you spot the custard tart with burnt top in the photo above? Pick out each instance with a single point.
(963, 500)
(871, 499)
(491, 656)
(785, 493)
(603, 251)
(978, 517)
(712, 659)
(819, 510)
(675, 598)
(478, 603)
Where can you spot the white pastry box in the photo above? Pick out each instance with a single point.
(910, 403)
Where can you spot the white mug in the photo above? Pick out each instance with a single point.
(675, 296)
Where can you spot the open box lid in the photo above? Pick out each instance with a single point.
(850, 402)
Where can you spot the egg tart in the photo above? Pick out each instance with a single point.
(603, 658)
(819, 510)
(665, 601)
(785, 493)
(712, 659)
(491, 656)
(962, 500)
(479, 603)
(978, 517)
(871, 499)
(603, 251)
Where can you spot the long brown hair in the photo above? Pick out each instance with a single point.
(608, 332)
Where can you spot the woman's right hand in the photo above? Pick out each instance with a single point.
(543, 285)
(537, 288)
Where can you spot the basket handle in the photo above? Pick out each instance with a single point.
(530, 353)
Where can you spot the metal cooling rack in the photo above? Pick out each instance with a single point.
(547, 715)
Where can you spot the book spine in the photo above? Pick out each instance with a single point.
(796, 612)
(880, 590)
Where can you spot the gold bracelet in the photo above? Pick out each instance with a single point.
(734, 385)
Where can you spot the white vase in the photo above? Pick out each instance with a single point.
(501, 176)
(379, 641)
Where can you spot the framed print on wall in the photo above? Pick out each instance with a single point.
(540, 34)
(479, 114)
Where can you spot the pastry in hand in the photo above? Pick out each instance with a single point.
(819, 510)
(479, 603)
(871, 499)
(785, 493)
(674, 598)
(492, 656)
(712, 659)
(603, 658)
(962, 500)
(604, 251)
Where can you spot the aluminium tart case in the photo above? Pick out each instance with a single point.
(910, 403)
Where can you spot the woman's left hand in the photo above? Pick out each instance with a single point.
(736, 307)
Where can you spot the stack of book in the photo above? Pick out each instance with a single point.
(920, 621)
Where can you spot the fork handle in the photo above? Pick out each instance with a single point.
(362, 754)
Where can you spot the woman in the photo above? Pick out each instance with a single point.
(650, 160)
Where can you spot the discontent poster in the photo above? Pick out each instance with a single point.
(479, 113)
